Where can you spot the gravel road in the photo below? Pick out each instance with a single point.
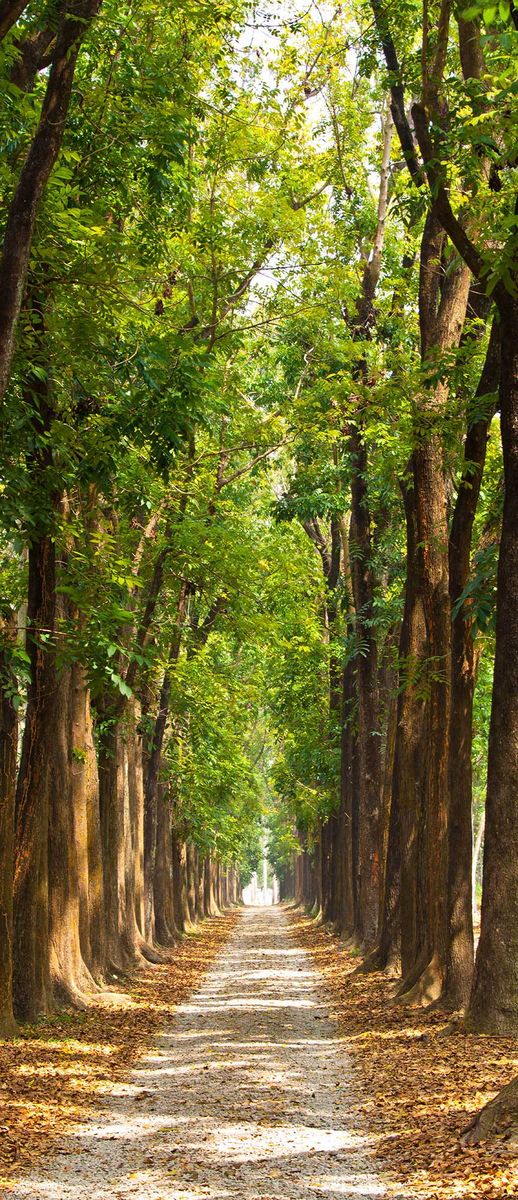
(248, 1096)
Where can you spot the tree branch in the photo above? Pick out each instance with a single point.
(397, 94)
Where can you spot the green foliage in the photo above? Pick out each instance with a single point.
(185, 403)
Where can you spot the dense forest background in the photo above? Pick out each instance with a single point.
(259, 478)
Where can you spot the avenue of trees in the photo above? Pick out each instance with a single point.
(259, 483)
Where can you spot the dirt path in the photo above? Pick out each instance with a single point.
(246, 1097)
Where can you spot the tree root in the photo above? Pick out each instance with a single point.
(498, 1120)
(426, 989)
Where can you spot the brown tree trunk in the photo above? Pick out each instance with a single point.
(179, 898)
(460, 954)
(132, 784)
(151, 802)
(368, 739)
(497, 1122)
(191, 883)
(327, 830)
(153, 795)
(96, 905)
(213, 902)
(346, 916)
(299, 895)
(10, 10)
(46, 144)
(198, 883)
(431, 509)
(31, 976)
(409, 753)
(165, 922)
(111, 802)
(78, 785)
(135, 755)
(494, 1002)
(8, 749)
(443, 301)
(388, 951)
(70, 978)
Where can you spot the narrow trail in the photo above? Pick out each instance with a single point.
(248, 1095)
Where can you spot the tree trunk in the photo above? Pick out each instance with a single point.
(213, 902)
(368, 740)
(443, 301)
(8, 749)
(179, 901)
(131, 782)
(217, 884)
(198, 880)
(70, 978)
(31, 977)
(346, 917)
(78, 785)
(409, 751)
(497, 1121)
(191, 883)
(35, 173)
(388, 951)
(154, 797)
(96, 902)
(111, 801)
(135, 753)
(10, 10)
(165, 922)
(326, 835)
(494, 1002)
(431, 509)
(460, 954)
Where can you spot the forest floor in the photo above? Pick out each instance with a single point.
(418, 1084)
(255, 1064)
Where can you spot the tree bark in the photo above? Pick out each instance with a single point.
(369, 732)
(497, 1121)
(43, 153)
(191, 883)
(210, 887)
(460, 953)
(443, 299)
(31, 977)
(10, 10)
(89, 779)
(178, 884)
(111, 803)
(8, 751)
(388, 951)
(494, 1002)
(165, 922)
(70, 978)
(135, 756)
(154, 797)
(78, 784)
(346, 916)
(198, 884)
(409, 754)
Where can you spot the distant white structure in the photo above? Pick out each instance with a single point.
(264, 895)
(255, 895)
